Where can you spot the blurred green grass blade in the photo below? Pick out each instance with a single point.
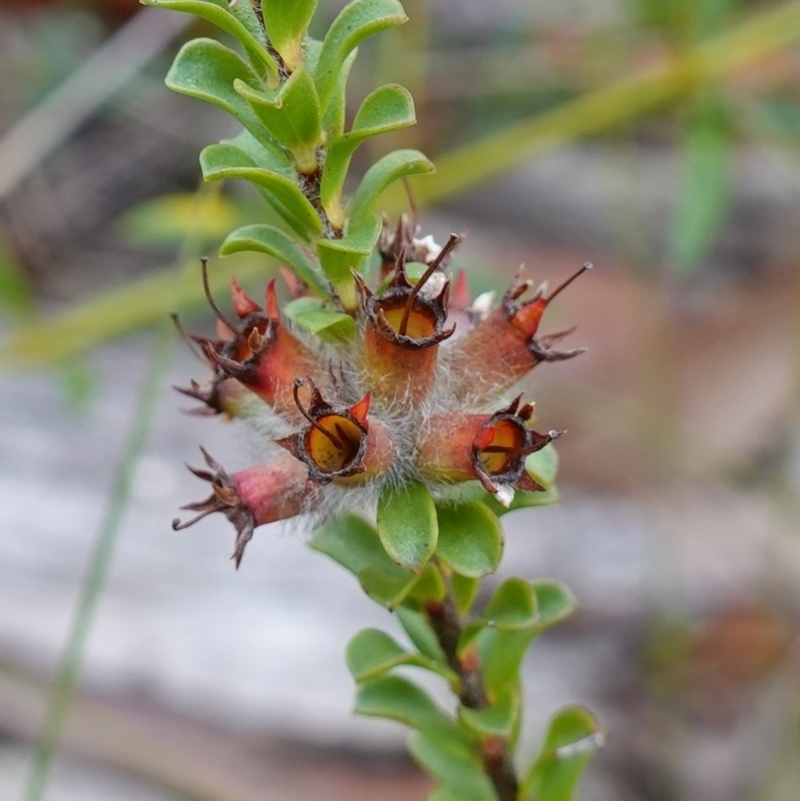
(64, 686)
(122, 311)
(605, 109)
(705, 186)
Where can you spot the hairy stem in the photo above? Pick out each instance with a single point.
(448, 625)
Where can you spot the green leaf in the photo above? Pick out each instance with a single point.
(205, 69)
(516, 613)
(572, 738)
(321, 321)
(542, 466)
(292, 115)
(470, 538)
(388, 169)
(497, 720)
(554, 601)
(354, 543)
(407, 524)
(705, 194)
(219, 13)
(333, 119)
(416, 626)
(397, 698)
(454, 763)
(512, 606)
(355, 22)
(287, 22)
(372, 653)
(227, 161)
(464, 589)
(339, 256)
(387, 589)
(266, 153)
(276, 243)
(386, 109)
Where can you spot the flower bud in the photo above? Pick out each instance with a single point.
(259, 351)
(504, 347)
(251, 497)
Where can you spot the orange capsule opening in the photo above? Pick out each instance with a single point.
(333, 443)
(418, 322)
(500, 446)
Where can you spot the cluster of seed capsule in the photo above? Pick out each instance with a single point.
(421, 393)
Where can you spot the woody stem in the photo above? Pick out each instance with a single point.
(448, 625)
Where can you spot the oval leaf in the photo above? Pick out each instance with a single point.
(287, 22)
(355, 22)
(572, 738)
(407, 524)
(292, 115)
(386, 109)
(512, 606)
(388, 169)
(497, 720)
(205, 69)
(455, 764)
(399, 699)
(322, 322)
(554, 602)
(470, 538)
(276, 243)
(372, 653)
(219, 13)
(542, 466)
(227, 161)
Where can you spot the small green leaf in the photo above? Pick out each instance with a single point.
(542, 466)
(385, 588)
(339, 256)
(497, 720)
(572, 738)
(321, 321)
(416, 626)
(333, 119)
(512, 606)
(429, 587)
(407, 524)
(276, 243)
(287, 22)
(554, 601)
(292, 115)
(205, 69)
(516, 613)
(354, 543)
(392, 166)
(266, 154)
(372, 653)
(470, 538)
(464, 589)
(218, 13)
(388, 108)
(454, 763)
(355, 22)
(397, 698)
(227, 161)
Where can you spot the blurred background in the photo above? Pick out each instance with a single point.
(658, 139)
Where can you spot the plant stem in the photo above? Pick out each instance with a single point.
(448, 625)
